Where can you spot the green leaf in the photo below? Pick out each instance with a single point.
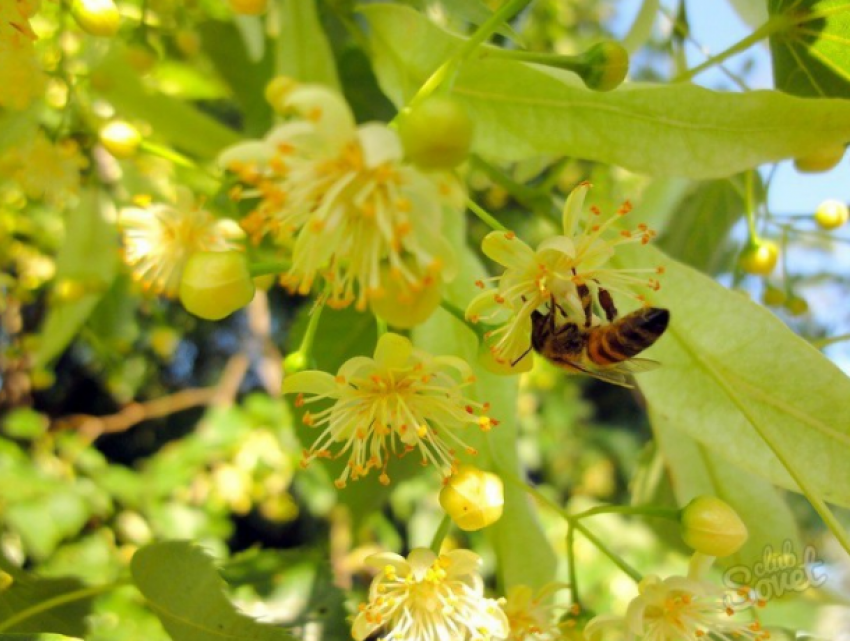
(521, 111)
(695, 470)
(811, 57)
(523, 552)
(303, 51)
(733, 375)
(183, 588)
(713, 208)
(172, 120)
(247, 79)
(87, 261)
(32, 604)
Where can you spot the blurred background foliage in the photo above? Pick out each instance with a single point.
(125, 420)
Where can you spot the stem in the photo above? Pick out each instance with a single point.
(455, 311)
(616, 558)
(382, 326)
(571, 560)
(171, 155)
(485, 216)
(659, 512)
(750, 206)
(450, 66)
(826, 342)
(773, 25)
(269, 267)
(440, 534)
(306, 346)
(55, 602)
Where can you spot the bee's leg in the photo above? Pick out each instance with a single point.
(520, 357)
(586, 302)
(607, 304)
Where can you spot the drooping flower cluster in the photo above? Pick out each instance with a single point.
(43, 169)
(533, 278)
(21, 77)
(159, 238)
(429, 598)
(402, 400)
(342, 200)
(682, 609)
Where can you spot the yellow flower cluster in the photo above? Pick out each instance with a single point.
(21, 77)
(45, 170)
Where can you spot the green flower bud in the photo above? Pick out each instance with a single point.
(710, 526)
(96, 17)
(759, 258)
(248, 7)
(832, 214)
(473, 498)
(216, 284)
(295, 362)
(120, 138)
(604, 66)
(773, 296)
(823, 159)
(797, 306)
(436, 134)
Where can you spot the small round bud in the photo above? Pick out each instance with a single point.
(120, 138)
(759, 258)
(773, 296)
(295, 362)
(605, 66)
(710, 526)
(436, 134)
(216, 284)
(823, 159)
(248, 7)
(6, 580)
(832, 214)
(164, 341)
(276, 91)
(96, 17)
(797, 305)
(188, 42)
(142, 57)
(473, 498)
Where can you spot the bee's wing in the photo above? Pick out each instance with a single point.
(617, 374)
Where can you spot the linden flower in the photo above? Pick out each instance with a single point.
(429, 598)
(402, 400)
(682, 609)
(531, 616)
(21, 75)
(532, 278)
(341, 197)
(159, 239)
(45, 170)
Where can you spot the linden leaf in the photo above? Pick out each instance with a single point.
(185, 591)
(811, 57)
(522, 111)
(695, 470)
(742, 384)
(303, 51)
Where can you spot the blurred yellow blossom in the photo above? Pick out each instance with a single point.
(400, 401)
(429, 598)
(159, 239)
(44, 169)
(21, 77)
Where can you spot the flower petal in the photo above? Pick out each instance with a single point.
(310, 382)
(573, 208)
(393, 351)
(507, 249)
(379, 143)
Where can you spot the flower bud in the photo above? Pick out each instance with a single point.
(96, 17)
(759, 258)
(436, 134)
(823, 159)
(605, 66)
(832, 214)
(710, 526)
(797, 305)
(773, 296)
(120, 138)
(188, 42)
(248, 7)
(216, 284)
(276, 91)
(473, 498)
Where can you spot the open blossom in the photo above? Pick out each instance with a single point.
(533, 278)
(340, 198)
(682, 609)
(159, 239)
(21, 77)
(532, 616)
(44, 169)
(429, 598)
(402, 400)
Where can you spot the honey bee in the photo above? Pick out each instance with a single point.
(605, 352)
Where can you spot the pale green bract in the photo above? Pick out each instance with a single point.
(522, 111)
